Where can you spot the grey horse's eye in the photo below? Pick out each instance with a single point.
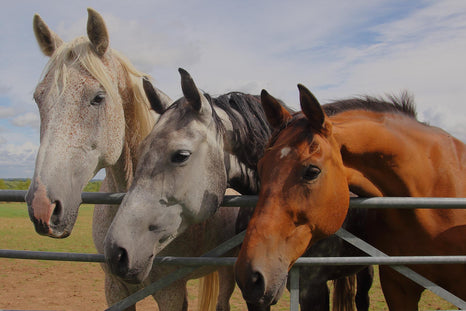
(180, 156)
(98, 99)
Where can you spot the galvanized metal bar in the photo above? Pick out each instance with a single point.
(414, 276)
(229, 261)
(12, 195)
(178, 274)
(321, 261)
(294, 289)
(251, 200)
(408, 203)
(58, 256)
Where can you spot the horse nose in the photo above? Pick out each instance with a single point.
(117, 260)
(48, 219)
(253, 288)
(46, 212)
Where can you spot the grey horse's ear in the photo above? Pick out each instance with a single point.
(190, 91)
(152, 96)
(47, 39)
(97, 32)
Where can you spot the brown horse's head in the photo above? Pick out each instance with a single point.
(303, 198)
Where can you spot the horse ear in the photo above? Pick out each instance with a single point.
(97, 32)
(47, 39)
(311, 108)
(152, 96)
(276, 114)
(190, 91)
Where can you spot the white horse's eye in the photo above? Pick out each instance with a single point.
(98, 99)
(181, 156)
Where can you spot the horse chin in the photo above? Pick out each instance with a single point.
(45, 230)
(272, 295)
(269, 297)
(136, 276)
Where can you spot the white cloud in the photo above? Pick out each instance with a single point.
(28, 119)
(17, 160)
(6, 112)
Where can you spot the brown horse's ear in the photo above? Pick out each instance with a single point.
(190, 91)
(152, 96)
(311, 109)
(97, 32)
(47, 39)
(276, 114)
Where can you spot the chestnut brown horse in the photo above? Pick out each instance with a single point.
(369, 147)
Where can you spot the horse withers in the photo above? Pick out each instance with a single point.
(373, 148)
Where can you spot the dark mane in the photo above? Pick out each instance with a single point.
(403, 104)
(250, 127)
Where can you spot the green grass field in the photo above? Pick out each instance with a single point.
(17, 233)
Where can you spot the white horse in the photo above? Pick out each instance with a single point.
(94, 113)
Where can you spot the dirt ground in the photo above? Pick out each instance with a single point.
(51, 285)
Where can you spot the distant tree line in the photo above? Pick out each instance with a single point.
(23, 184)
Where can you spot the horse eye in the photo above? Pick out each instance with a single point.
(181, 156)
(311, 172)
(98, 99)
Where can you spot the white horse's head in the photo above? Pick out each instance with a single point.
(86, 98)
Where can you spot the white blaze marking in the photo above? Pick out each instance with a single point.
(284, 152)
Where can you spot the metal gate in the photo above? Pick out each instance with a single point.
(190, 264)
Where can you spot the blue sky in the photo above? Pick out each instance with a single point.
(336, 48)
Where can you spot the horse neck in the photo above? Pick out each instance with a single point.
(240, 176)
(120, 175)
(387, 154)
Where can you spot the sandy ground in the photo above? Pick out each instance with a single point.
(51, 285)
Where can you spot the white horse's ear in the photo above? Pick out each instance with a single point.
(190, 91)
(47, 39)
(154, 98)
(97, 32)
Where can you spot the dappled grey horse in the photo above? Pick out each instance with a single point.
(94, 113)
(198, 148)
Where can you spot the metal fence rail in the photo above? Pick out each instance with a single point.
(229, 261)
(251, 200)
(210, 258)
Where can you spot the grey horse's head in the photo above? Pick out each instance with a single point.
(180, 180)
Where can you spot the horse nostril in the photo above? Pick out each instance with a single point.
(257, 280)
(119, 261)
(56, 214)
(255, 288)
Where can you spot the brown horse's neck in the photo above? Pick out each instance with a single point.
(386, 153)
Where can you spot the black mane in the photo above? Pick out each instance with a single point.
(403, 104)
(250, 127)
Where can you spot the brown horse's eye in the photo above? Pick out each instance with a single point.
(311, 172)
